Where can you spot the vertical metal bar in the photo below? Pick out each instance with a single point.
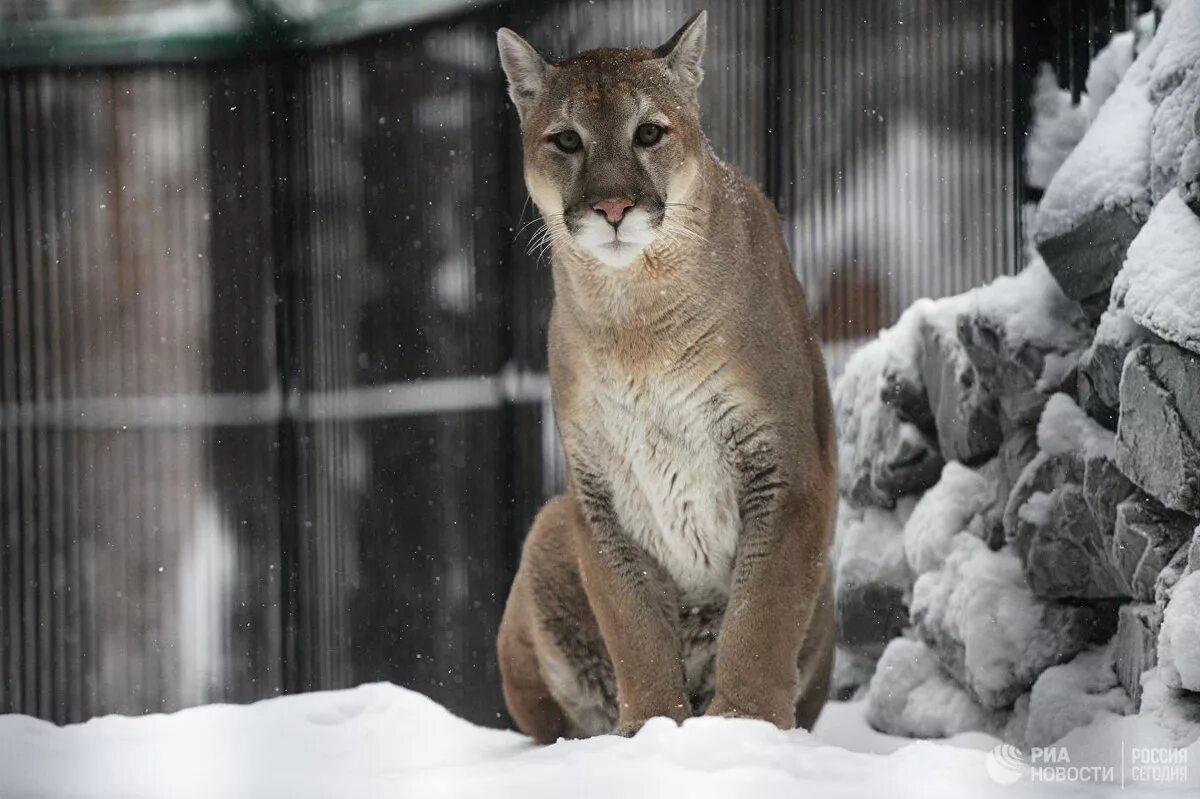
(10, 650)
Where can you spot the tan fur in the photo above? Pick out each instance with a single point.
(686, 568)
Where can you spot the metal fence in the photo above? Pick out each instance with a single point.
(273, 413)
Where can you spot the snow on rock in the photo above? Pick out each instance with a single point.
(1171, 132)
(873, 581)
(886, 445)
(1016, 331)
(1175, 90)
(1158, 433)
(942, 513)
(1033, 308)
(1109, 67)
(1101, 196)
(1169, 713)
(1073, 695)
(1131, 156)
(966, 416)
(1180, 35)
(1064, 429)
(1058, 125)
(1060, 513)
(983, 354)
(1112, 739)
(1179, 638)
(987, 628)
(945, 379)
(1159, 285)
(1002, 472)
(910, 695)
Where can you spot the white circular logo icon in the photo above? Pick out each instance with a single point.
(1005, 764)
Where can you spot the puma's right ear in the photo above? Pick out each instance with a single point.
(683, 51)
(525, 68)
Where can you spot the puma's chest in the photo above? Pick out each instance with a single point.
(674, 489)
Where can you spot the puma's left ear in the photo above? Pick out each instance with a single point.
(525, 68)
(682, 51)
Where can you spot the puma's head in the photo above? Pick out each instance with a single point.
(611, 139)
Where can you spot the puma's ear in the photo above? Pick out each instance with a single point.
(524, 66)
(682, 51)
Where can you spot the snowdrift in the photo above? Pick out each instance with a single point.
(383, 741)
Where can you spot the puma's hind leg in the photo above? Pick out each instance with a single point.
(555, 671)
(533, 709)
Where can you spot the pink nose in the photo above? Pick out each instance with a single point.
(614, 208)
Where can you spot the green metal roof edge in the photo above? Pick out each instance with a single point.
(261, 31)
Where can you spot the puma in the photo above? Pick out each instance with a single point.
(685, 570)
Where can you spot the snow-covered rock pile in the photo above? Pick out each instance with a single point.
(1019, 538)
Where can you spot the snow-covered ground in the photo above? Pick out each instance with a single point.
(383, 741)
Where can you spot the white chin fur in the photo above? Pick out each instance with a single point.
(616, 248)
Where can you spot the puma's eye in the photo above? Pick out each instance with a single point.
(647, 135)
(567, 140)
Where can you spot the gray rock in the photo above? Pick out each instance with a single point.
(1063, 549)
(1067, 558)
(1136, 646)
(965, 414)
(1157, 446)
(1095, 305)
(872, 580)
(896, 459)
(1098, 378)
(1085, 259)
(852, 673)
(1007, 374)
(1104, 487)
(886, 436)
(868, 616)
(908, 462)
(1145, 539)
(1003, 471)
(909, 400)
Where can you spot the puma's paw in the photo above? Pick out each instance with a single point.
(629, 727)
(780, 713)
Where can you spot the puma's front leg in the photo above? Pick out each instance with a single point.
(777, 580)
(636, 607)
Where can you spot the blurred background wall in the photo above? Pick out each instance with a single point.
(273, 411)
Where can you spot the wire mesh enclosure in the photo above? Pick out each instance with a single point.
(273, 412)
